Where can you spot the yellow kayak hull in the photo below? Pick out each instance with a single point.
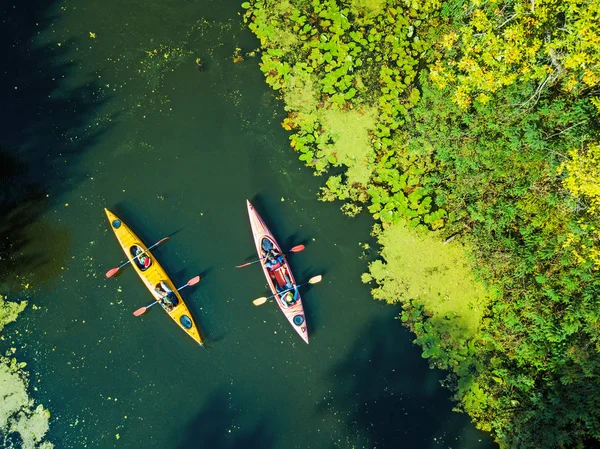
(153, 275)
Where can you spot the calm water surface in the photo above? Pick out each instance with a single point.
(100, 119)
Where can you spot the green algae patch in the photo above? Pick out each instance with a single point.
(9, 311)
(349, 130)
(421, 269)
(300, 94)
(368, 7)
(17, 412)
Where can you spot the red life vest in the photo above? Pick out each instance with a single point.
(279, 274)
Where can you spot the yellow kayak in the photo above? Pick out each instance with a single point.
(153, 276)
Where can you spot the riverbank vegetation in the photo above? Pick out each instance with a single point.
(475, 126)
(22, 423)
(18, 413)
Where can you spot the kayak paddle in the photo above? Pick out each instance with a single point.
(113, 271)
(191, 282)
(262, 300)
(295, 249)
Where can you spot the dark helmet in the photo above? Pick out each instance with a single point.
(266, 244)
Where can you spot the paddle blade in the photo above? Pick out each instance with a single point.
(160, 241)
(244, 265)
(297, 249)
(260, 301)
(140, 311)
(112, 272)
(315, 279)
(193, 281)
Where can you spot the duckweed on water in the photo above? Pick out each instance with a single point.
(18, 412)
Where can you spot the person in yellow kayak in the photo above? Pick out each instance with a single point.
(142, 258)
(167, 297)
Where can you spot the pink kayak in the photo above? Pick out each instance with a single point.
(278, 273)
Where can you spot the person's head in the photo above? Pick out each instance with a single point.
(266, 244)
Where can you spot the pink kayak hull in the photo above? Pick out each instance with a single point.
(260, 231)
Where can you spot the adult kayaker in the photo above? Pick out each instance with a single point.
(272, 258)
(270, 253)
(166, 295)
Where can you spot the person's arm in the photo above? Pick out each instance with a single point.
(166, 287)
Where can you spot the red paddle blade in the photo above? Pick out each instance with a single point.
(243, 265)
(193, 281)
(140, 311)
(111, 272)
(297, 249)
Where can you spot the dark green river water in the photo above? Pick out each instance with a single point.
(94, 117)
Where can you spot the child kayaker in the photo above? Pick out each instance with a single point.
(143, 260)
(288, 299)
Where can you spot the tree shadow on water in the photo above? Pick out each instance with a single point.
(46, 125)
(20, 203)
(390, 397)
(221, 426)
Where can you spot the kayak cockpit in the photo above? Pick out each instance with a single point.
(141, 259)
(289, 298)
(279, 273)
(168, 300)
(271, 253)
(185, 321)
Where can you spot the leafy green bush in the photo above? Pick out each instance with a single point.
(478, 121)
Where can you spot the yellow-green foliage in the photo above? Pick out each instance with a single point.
(368, 7)
(349, 131)
(421, 269)
(517, 41)
(583, 182)
(13, 392)
(583, 175)
(9, 311)
(475, 104)
(17, 413)
(301, 94)
(330, 62)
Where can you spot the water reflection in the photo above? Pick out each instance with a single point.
(221, 425)
(391, 397)
(46, 126)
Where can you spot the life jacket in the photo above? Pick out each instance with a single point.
(274, 266)
(280, 277)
